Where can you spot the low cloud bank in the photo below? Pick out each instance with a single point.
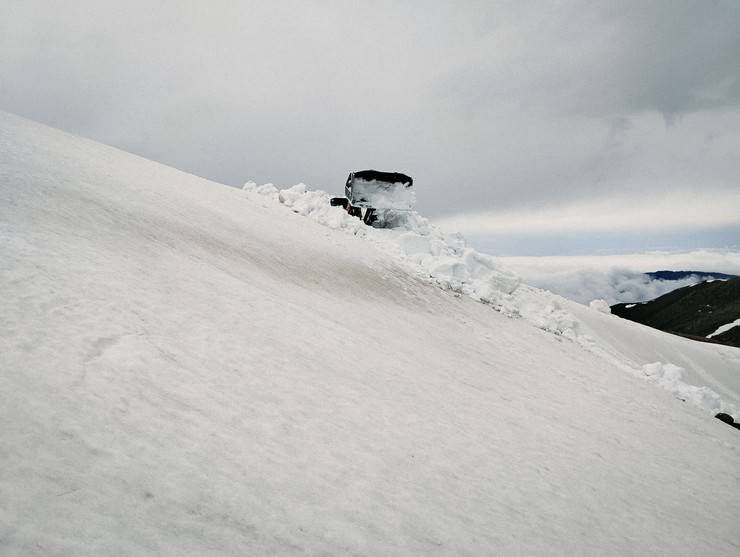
(619, 278)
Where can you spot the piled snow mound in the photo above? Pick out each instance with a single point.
(546, 311)
(446, 261)
(600, 305)
(443, 259)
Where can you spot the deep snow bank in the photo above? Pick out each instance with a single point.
(422, 248)
(446, 261)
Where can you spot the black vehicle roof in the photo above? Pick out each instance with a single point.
(392, 177)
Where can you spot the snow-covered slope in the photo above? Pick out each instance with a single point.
(191, 369)
(707, 377)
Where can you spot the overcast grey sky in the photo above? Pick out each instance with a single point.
(534, 127)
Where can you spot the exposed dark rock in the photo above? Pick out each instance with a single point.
(727, 419)
(693, 311)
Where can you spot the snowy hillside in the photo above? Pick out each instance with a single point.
(192, 369)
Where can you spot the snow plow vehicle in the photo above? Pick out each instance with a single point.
(377, 197)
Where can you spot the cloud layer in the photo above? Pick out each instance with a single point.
(619, 278)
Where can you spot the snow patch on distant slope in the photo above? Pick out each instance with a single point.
(724, 328)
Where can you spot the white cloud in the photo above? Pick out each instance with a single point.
(618, 278)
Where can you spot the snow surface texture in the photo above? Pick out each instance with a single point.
(446, 261)
(188, 369)
(724, 328)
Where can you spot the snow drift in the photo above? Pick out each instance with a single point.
(446, 261)
(189, 369)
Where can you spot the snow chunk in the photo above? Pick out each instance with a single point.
(264, 189)
(600, 306)
(295, 194)
(548, 314)
(668, 376)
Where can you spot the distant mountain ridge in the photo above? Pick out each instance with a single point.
(679, 275)
(692, 311)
